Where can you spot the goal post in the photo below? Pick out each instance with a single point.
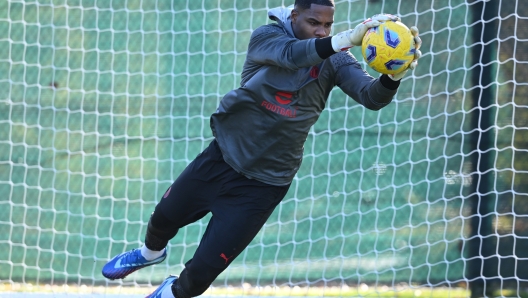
(103, 104)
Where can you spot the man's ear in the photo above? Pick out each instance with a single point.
(294, 15)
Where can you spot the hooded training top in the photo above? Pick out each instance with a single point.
(262, 126)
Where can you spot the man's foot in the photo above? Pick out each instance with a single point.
(124, 264)
(167, 283)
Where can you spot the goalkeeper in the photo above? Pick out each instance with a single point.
(259, 132)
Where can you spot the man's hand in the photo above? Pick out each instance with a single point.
(417, 55)
(353, 37)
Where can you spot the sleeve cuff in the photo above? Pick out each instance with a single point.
(324, 48)
(388, 83)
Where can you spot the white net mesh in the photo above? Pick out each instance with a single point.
(103, 103)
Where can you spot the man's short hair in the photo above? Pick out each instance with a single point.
(306, 4)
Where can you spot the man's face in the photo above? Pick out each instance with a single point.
(315, 22)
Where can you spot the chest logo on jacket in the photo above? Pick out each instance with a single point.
(283, 98)
(314, 72)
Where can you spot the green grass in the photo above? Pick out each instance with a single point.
(247, 290)
(362, 290)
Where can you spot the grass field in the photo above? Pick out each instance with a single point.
(363, 290)
(297, 292)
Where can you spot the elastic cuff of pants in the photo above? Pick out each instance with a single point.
(154, 242)
(177, 290)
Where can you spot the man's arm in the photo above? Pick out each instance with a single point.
(325, 49)
(270, 45)
(372, 93)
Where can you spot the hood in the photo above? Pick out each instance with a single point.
(282, 15)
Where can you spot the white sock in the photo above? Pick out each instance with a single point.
(167, 292)
(150, 255)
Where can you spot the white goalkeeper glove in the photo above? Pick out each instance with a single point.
(353, 37)
(417, 55)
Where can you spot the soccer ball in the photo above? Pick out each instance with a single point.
(388, 48)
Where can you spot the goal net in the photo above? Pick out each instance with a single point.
(103, 104)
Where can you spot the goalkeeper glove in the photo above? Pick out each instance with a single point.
(343, 41)
(417, 55)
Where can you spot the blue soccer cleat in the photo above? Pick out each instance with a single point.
(167, 283)
(124, 264)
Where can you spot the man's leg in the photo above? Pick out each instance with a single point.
(239, 212)
(187, 200)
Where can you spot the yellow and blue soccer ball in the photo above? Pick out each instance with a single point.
(388, 48)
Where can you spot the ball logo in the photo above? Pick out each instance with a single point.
(394, 64)
(370, 52)
(391, 38)
(283, 97)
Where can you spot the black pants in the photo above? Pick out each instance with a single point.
(239, 207)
